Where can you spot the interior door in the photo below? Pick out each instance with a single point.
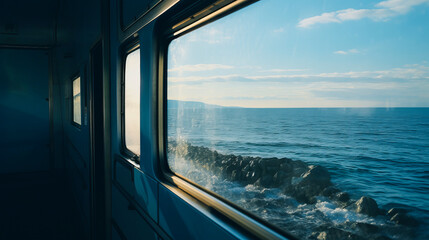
(24, 110)
(97, 144)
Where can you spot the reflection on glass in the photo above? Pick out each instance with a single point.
(76, 102)
(132, 102)
(313, 118)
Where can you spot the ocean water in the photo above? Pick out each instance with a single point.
(378, 152)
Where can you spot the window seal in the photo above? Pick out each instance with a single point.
(132, 46)
(168, 31)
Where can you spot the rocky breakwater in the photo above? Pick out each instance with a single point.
(295, 178)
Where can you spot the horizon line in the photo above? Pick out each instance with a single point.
(213, 104)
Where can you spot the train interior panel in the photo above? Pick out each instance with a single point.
(214, 119)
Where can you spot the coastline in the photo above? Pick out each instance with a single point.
(305, 183)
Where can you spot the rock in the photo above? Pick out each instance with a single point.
(330, 191)
(368, 206)
(257, 182)
(229, 169)
(308, 185)
(254, 176)
(273, 162)
(317, 176)
(266, 181)
(279, 178)
(322, 236)
(365, 228)
(394, 211)
(298, 171)
(235, 175)
(342, 197)
(246, 168)
(311, 183)
(296, 180)
(404, 219)
(313, 236)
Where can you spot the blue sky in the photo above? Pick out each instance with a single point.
(278, 53)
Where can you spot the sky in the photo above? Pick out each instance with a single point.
(307, 53)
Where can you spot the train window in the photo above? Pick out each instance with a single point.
(131, 117)
(312, 116)
(77, 113)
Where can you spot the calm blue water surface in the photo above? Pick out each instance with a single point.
(379, 152)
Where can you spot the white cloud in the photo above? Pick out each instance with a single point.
(324, 18)
(341, 52)
(384, 11)
(284, 70)
(201, 78)
(408, 72)
(405, 86)
(199, 68)
(414, 71)
(279, 30)
(401, 6)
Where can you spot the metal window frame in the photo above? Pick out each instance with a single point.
(128, 48)
(124, 27)
(194, 17)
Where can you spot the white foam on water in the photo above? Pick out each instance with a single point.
(336, 214)
(273, 205)
(340, 215)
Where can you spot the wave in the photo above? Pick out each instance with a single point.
(294, 195)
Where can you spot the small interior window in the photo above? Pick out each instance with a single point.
(132, 102)
(77, 113)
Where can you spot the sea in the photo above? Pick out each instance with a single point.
(382, 153)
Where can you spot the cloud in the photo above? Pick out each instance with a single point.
(384, 11)
(284, 70)
(255, 98)
(414, 71)
(406, 94)
(325, 90)
(341, 52)
(279, 30)
(346, 52)
(408, 72)
(199, 68)
(201, 79)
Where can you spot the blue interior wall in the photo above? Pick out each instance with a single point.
(78, 29)
(24, 111)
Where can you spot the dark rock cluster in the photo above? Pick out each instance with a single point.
(295, 178)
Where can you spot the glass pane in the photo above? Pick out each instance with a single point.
(311, 114)
(132, 102)
(76, 102)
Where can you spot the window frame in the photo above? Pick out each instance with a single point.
(76, 124)
(198, 16)
(126, 50)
